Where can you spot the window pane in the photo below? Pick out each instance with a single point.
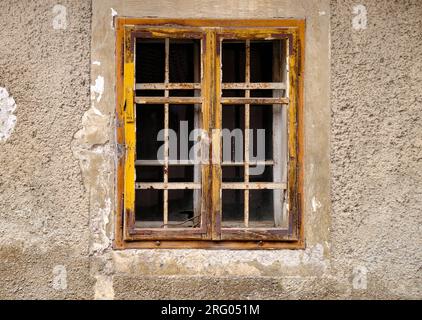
(233, 133)
(181, 209)
(150, 60)
(261, 209)
(181, 173)
(234, 61)
(181, 123)
(149, 121)
(233, 174)
(261, 137)
(184, 58)
(232, 208)
(149, 208)
(260, 173)
(149, 174)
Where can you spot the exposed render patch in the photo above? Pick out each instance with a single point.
(97, 90)
(359, 280)
(90, 146)
(113, 14)
(315, 204)
(7, 117)
(59, 277)
(104, 288)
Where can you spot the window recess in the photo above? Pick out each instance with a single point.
(212, 132)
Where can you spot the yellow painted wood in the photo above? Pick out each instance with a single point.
(130, 130)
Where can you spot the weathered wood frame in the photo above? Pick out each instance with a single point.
(210, 235)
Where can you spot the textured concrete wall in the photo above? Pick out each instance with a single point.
(43, 205)
(376, 140)
(57, 169)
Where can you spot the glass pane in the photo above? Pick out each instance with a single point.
(150, 60)
(149, 208)
(233, 133)
(149, 174)
(180, 173)
(184, 58)
(149, 121)
(181, 209)
(261, 136)
(232, 208)
(234, 59)
(181, 123)
(260, 173)
(261, 209)
(233, 173)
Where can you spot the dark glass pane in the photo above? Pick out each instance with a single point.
(182, 57)
(150, 60)
(150, 93)
(261, 61)
(181, 121)
(261, 209)
(180, 173)
(149, 208)
(232, 205)
(233, 93)
(233, 139)
(233, 173)
(181, 212)
(234, 61)
(261, 93)
(149, 174)
(149, 121)
(260, 173)
(261, 119)
(182, 93)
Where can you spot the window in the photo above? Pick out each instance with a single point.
(209, 130)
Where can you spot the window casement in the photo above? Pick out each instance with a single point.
(209, 133)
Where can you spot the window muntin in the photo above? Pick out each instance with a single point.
(230, 204)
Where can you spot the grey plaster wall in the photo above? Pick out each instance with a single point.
(364, 183)
(43, 205)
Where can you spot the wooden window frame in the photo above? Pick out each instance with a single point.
(211, 32)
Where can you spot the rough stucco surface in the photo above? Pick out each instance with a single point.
(376, 155)
(43, 204)
(57, 167)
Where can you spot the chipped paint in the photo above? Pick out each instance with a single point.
(359, 278)
(60, 277)
(103, 288)
(315, 204)
(113, 14)
(7, 117)
(96, 63)
(97, 90)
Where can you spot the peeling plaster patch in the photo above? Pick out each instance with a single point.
(315, 204)
(113, 14)
(104, 288)
(315, 256)
(359, 281)
(90, 146)
(7, 118)
(99, 226)
(97, 90)
(59, 277)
